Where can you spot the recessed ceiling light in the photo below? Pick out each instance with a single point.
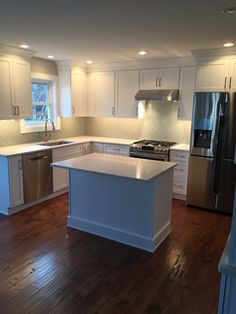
(89, 61)
(142, 53)
(50, 57)
(24, 46)
(228, 45)
(229, 10)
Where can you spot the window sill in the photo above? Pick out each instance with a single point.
(24, 128)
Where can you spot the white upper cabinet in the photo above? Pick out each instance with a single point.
(186, 91)
(78, 90)
(232, 76)
(212, 76)
(22, 89)
(163, 78)
(127, 85)
(15, 89)
(72, 82)
(101, 94)
(6, 109)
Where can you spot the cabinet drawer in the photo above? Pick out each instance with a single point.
(63, 153)
(180, 186)
(116, 149)
(178, 155)
(181, 169)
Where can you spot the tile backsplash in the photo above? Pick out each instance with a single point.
(160, 122)
(10, 131)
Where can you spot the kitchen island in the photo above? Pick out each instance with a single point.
(121, 198)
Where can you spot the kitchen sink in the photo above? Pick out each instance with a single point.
(55, 143)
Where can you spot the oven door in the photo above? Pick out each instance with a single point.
(153, 156)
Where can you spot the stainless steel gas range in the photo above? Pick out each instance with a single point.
(149, 149)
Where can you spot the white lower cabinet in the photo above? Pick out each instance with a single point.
(180, 173)
(115, 149)
(60, 176)
(11, 183)
(97, 148)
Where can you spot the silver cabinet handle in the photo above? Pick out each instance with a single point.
(117, 149)
(230, 82)
(17, 111)
(178, 186)
(13, 110)
(179, 169)
(137, 111)
(181, 156)
(159, 81)
(113, 111)
(156, 81)
(73, 109)
(225, 83)
(20, 166)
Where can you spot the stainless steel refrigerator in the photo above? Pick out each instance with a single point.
(212, 172)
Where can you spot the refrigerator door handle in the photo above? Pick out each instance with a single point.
(216, 187)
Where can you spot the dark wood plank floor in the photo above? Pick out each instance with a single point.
(46, 267)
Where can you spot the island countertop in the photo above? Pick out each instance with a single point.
(135, 168)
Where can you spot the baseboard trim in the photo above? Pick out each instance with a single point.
(14, 210)
(125, 237)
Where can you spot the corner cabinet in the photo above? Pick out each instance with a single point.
(15, 89)
(163, 78)
(219, 75)
(101, 94)
(73, 91)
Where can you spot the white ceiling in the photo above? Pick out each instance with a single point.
(113, 31)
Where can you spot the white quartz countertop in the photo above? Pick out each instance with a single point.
(183, 147)
(33, 147)
(135, 168)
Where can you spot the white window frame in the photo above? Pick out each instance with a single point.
(54, 100)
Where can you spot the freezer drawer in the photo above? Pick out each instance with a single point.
(201, 182)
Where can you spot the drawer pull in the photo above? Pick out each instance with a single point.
(181, 156)
(178, 186)
(181, 170)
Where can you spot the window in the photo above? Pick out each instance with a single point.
(44, 103)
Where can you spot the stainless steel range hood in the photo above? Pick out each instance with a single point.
(160, 95)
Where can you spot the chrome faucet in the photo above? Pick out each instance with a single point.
(46, 135)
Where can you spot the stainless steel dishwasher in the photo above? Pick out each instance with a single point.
(37, 175)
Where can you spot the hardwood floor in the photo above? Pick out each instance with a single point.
(46, 267)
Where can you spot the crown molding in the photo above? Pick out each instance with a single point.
(16, 51)
(214, 53)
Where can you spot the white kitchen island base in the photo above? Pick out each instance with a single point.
(134, 211)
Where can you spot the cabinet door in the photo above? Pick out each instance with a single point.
(212, 76)
(164, 78)
(97, 148)
(78, 91)
(127, 87)
(60, 176)
(232, 78)
(16, 181)
(149, 79)
(168, 78)
(186, 91)
(86, 148)
(5, 90)
(102, 94)
(22, 89)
